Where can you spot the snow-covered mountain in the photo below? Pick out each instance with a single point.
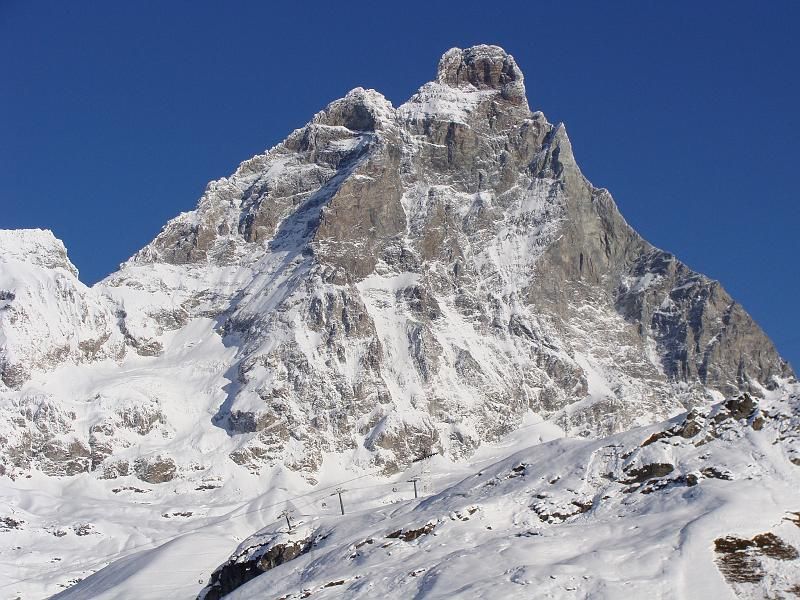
(385, 284)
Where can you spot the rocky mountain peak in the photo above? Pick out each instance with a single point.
(483, 67)
(386, 283)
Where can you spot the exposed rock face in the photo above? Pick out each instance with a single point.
(482, 67)
(155, 470)
(251, 559)
(398, 281)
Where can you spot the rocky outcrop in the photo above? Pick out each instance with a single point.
(256, 555)
(156, 469)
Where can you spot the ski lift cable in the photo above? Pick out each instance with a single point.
(125, 552)
(322, 493)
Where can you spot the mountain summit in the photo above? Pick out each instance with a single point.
(482, 67)
(385, 283)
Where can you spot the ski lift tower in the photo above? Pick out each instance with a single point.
(424, 478)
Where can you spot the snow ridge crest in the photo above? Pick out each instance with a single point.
(36, 247)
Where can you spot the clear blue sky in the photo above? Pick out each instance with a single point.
(114, 115)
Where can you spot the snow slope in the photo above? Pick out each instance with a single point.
(638, 513)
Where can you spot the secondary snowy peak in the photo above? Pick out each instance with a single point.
(35, 247)
(359, 110)
(47, 316)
